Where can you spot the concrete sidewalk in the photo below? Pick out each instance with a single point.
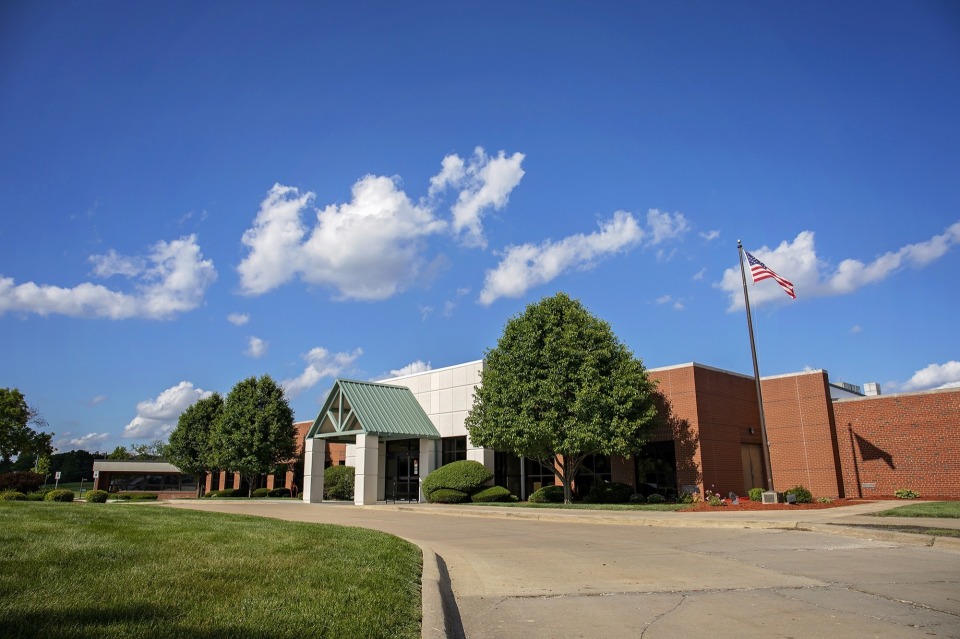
(516, 572)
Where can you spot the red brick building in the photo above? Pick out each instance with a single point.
(854, 447)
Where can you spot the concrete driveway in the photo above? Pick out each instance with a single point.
(676, 575)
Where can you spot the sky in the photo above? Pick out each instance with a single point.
(196, 193)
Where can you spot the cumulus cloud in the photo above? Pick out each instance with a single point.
(157, 417)
(99, 399)
(367, 249)
(88, 442)
(709, 236)
(484, 182)
(677, 304)
(238, 319)
(320, 363)
(418, 366)
(171, 279)
(527, 265)
(699, 274)
(256, 348)
(935, 376)
(665, 226)
(798, 262)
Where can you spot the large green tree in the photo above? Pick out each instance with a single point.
(255, 434)
(16, 436)
(190, 448)
(560, 386)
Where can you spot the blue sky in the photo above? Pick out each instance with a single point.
(193, 193)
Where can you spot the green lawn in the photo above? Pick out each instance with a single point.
(116, 571)
(947, 509)
(581, 506)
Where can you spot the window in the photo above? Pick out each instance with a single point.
(452, 449)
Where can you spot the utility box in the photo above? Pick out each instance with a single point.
(769, 497)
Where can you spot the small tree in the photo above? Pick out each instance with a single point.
(16, 436)
(120, 452)
(190, 447)
(560, 386)
(255, 432)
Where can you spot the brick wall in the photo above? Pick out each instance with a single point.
(678, 407)
(801, 432)
(900, 441)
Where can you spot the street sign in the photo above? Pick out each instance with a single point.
(58, 476)
(96, 474)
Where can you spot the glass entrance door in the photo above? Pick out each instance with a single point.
(403, 470)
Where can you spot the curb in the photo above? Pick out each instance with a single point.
(440, 617)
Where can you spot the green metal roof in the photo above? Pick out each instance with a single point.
(390, 412)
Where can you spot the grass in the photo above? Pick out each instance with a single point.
(581, 506)
(941, 509)
(111, 571)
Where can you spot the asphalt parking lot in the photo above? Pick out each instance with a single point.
(513, 575)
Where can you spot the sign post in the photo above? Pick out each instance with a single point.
(58, 480)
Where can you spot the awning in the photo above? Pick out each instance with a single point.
(353, 407)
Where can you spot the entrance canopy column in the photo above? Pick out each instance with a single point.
(314, 458)
(428, 462)
(366, 475)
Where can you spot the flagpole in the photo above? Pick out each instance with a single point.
(756, 374)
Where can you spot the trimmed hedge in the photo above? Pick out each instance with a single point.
(97, 496)
(22, 481)
(338, 482)
(638, 498)
(279, 492)
(755, 494)
(547, 495)
(493, 493)
(610, 493)
(261, 492)
(803, 495)
(448, 496)
(656, 498)
(61, 494)
(12, 495)
(466, 476)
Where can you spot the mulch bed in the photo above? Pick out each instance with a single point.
(746, 504)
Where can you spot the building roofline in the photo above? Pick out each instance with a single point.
(931, 391)
(432, 370)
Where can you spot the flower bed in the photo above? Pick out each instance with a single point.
(746, 504)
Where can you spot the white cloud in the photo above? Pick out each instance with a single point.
(528, 265)
(413, 367)
(157, 417)
(484, 183)
(663, 299)
(935, 376)
(664, 226)
(99, 399)
(797, 261)
(89, 442)
(320, 363)
(425, 312)
(677, 304)
(172, 279)
(368, 248)
(855, 329)
(448, 307)
(238, 319)
(699, 274)
(257, 348)
(709, 236)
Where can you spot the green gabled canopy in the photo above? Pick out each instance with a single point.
(390, 412)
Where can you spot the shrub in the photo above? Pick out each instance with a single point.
(466, 476)
(803, 495)
(22, 481)
(261, 492)
(657, 498)
(122, 497)
(756, 494)
(714, 499)
(493, 493)
(610, 493)
(824, 500)
(144, 497)
(684, 498)
(279, 492)
(447, 496)
(906, 493)
(638, 498)
(38, 495)
(12, 495)
(547, 495)
(61, 494)
(338, 482)
(97, 496)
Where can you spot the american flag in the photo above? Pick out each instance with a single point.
(761, 271)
